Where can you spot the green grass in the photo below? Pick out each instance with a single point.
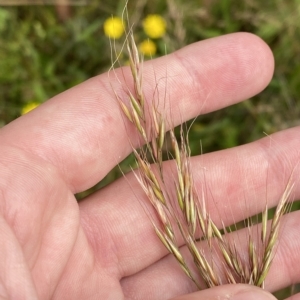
(42, 55)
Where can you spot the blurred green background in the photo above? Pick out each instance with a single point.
(45, 50)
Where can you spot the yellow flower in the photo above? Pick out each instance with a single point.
(147, 47)
(28, 107)
(113, 27)
(154, 26)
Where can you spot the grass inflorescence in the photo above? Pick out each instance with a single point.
(217, 256)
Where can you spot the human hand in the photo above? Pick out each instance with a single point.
(105, 246)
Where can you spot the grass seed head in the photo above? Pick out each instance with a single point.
(189, 211)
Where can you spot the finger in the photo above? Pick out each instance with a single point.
(230, 292)
(166, 276)
(241, 180)
(294, 297)
(82, 132)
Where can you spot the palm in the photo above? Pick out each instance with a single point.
(105, 247)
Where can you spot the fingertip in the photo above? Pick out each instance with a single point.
(248, 65)
(225, 70)
(260, 54)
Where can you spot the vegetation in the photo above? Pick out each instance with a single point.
(44, 53)
(45, 50)
(182, 204)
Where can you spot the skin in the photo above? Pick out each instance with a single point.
(105, 247)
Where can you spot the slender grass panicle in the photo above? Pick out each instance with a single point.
(217, 258)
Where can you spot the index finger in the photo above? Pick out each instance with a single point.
(82, 133)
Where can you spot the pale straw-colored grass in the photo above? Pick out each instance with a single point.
(217, 257)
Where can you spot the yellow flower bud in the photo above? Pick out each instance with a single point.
(113, 27)
(147, 48)
(154, 26)
(28, 107)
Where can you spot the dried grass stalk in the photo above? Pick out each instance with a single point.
(184, 208)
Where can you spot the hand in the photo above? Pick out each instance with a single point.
(105, 247)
